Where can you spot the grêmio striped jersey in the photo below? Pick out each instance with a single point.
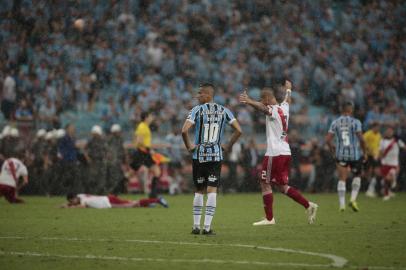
(210, 120)
(345, 129)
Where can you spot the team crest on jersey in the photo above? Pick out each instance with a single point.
(212, 178)
(200, 180)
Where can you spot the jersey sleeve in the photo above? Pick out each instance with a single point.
(332, 127)
(23, 170)
(271, 111)
(285, 107)
(192, 114)
(401, 143)
(229, 116)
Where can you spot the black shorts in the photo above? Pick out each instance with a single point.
(206, 174)
(140, 158)
(372, 163)
(355, 165)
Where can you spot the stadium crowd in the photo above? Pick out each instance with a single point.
(150, 55)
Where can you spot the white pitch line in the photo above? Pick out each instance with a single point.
(336, 260)
(138, 259)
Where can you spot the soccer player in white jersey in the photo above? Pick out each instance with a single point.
(11, 171)
(389, 154)
(109, 201)
(276, 163)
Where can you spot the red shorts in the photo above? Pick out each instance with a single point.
(275, 170)
(116, 200)
(386, 169)
(9, 193)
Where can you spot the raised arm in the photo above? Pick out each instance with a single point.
(245, 99)
(288, 89)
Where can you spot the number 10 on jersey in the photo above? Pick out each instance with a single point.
(211, 133)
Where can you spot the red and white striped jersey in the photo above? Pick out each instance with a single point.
(390, 149)
(11, 170)
(276, 130)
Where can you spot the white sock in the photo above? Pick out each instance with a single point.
(341, 193)
(210, 210)
(372, 184)
(197, 210)
(356, 185)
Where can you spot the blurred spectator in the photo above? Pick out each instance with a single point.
(96, 154)
(116, 158)
(234, 158)
(68, 180)
(9, 95)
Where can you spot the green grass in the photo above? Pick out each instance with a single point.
(376, 236)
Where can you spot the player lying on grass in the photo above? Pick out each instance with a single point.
(276, 163)
(11, 172)
(109, 201)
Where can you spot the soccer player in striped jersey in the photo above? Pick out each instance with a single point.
(209, 119)
(276, 163)
(349, 149)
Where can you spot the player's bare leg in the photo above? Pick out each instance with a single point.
(389, 179)
(341, 188)
(267, 197)
(294, 194)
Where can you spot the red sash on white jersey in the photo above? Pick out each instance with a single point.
(388, 148)
(12, 169)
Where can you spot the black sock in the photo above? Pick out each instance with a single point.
(154, 188)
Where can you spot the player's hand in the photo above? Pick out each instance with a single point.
(244, 98)
(288, 85)
(192, 148)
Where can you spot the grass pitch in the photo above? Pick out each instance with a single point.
(39, 235)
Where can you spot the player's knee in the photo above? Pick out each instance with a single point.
(283, 189)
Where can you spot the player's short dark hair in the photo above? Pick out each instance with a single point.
(279, 93)
(144, 115)
(347, 105)
(206, 84)
(71, 196)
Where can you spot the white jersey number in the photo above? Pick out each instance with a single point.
(211, 132)
(345, 136)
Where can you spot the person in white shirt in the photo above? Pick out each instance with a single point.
(11, 171)
(109, 201)
(276, 163)
(389, 155)
(9, 96)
